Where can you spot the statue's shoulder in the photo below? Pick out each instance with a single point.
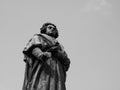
(37, 36)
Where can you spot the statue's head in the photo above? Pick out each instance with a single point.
(49, 29)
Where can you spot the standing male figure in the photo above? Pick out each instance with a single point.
(46, 61)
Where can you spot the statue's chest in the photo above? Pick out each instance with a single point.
(46, 44)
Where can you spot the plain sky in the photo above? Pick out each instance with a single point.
(89, 30)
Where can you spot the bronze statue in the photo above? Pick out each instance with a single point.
(46, 61)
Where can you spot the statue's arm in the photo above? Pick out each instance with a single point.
(34, 48)
(63, 57)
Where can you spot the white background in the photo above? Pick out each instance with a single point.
(89, 31)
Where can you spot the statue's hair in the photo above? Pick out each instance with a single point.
(44, 26)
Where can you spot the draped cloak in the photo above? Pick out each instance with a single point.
(44, 73)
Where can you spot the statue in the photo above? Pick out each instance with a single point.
(46, 61)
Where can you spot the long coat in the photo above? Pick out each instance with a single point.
(45, 73)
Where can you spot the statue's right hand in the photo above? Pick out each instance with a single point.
(47, 54)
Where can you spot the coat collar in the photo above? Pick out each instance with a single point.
(51, 39)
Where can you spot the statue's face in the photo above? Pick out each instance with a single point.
(50, 29)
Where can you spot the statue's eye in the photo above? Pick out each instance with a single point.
(51, 27)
